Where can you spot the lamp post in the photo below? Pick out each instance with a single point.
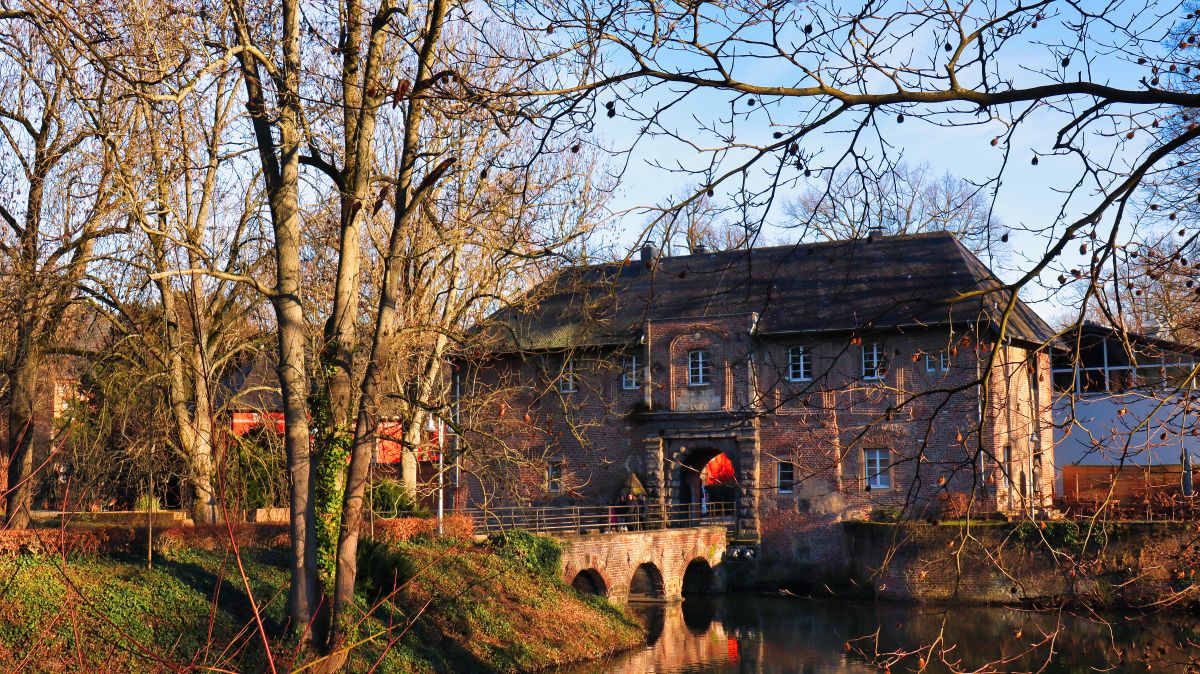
(440, 428)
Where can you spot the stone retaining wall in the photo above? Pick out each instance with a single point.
(1125, 564)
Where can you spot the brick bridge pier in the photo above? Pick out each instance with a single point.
(659, 565)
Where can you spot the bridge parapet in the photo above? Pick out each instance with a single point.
(591, 519)
(658, 565)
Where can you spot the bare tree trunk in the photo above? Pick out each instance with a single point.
(22, 398)
(281, 163)
(383, 345)
(204, 499)
(292, 366)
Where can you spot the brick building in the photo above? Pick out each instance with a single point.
(837, 378)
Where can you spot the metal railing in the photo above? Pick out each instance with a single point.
(602, 519)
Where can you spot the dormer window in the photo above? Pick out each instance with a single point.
(699, 368)
(799, 364)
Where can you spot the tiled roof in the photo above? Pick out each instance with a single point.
(858, 285)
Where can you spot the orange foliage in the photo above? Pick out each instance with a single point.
(401, 529)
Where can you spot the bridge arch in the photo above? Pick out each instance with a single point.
(699, 578)
(647, 583)
(590, 581)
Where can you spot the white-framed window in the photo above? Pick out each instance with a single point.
(785, 477)
(873, 365)
(566, 379)
(631, 372)
(930, 363)
(939, 362)
(877, 468)
(554, 476)
(799, 364)
(699, 368)
(944, 361)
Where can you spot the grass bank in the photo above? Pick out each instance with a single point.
(425, 606)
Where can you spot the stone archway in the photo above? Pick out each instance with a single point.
(705, 480)
(647, 583)
(682, 457)
(699, 578)
(589, 581)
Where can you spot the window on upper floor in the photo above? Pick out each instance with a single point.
(699, 368)
(799, 364)
(877, 468)
(554, 476)
(566, 379)
(939, 361)
(631, 372)
(785, 477)
(873, 363)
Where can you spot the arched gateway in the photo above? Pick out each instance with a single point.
(676, 464)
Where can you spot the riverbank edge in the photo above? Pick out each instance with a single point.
(480, 610)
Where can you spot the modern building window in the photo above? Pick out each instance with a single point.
(554, 476)
(566, 380)
(873, 365)
(699, 368)
(799, 364)
(877, 464)
(631, 373)
(785, 475)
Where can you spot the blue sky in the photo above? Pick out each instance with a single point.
(1030, 198)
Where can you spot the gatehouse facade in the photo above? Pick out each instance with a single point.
(798, 385)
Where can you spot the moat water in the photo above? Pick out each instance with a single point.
(769, 635)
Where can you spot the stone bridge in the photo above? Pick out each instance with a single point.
(659, 565)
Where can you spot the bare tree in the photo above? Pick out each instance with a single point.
(700, 223)
(57, 203)
(905, 200)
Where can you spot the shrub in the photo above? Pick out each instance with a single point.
(885, 514)
(401, 529)
(390, 498)
(956, 506)
(15, 542)
(216, 537)
(257, 470)
(381, 568)
(1061, 534)
(541, 555)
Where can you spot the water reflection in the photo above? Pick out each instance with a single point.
(768, 635)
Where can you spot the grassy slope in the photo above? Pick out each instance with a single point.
(462, 608)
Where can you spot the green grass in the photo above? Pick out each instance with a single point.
(456, 608)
